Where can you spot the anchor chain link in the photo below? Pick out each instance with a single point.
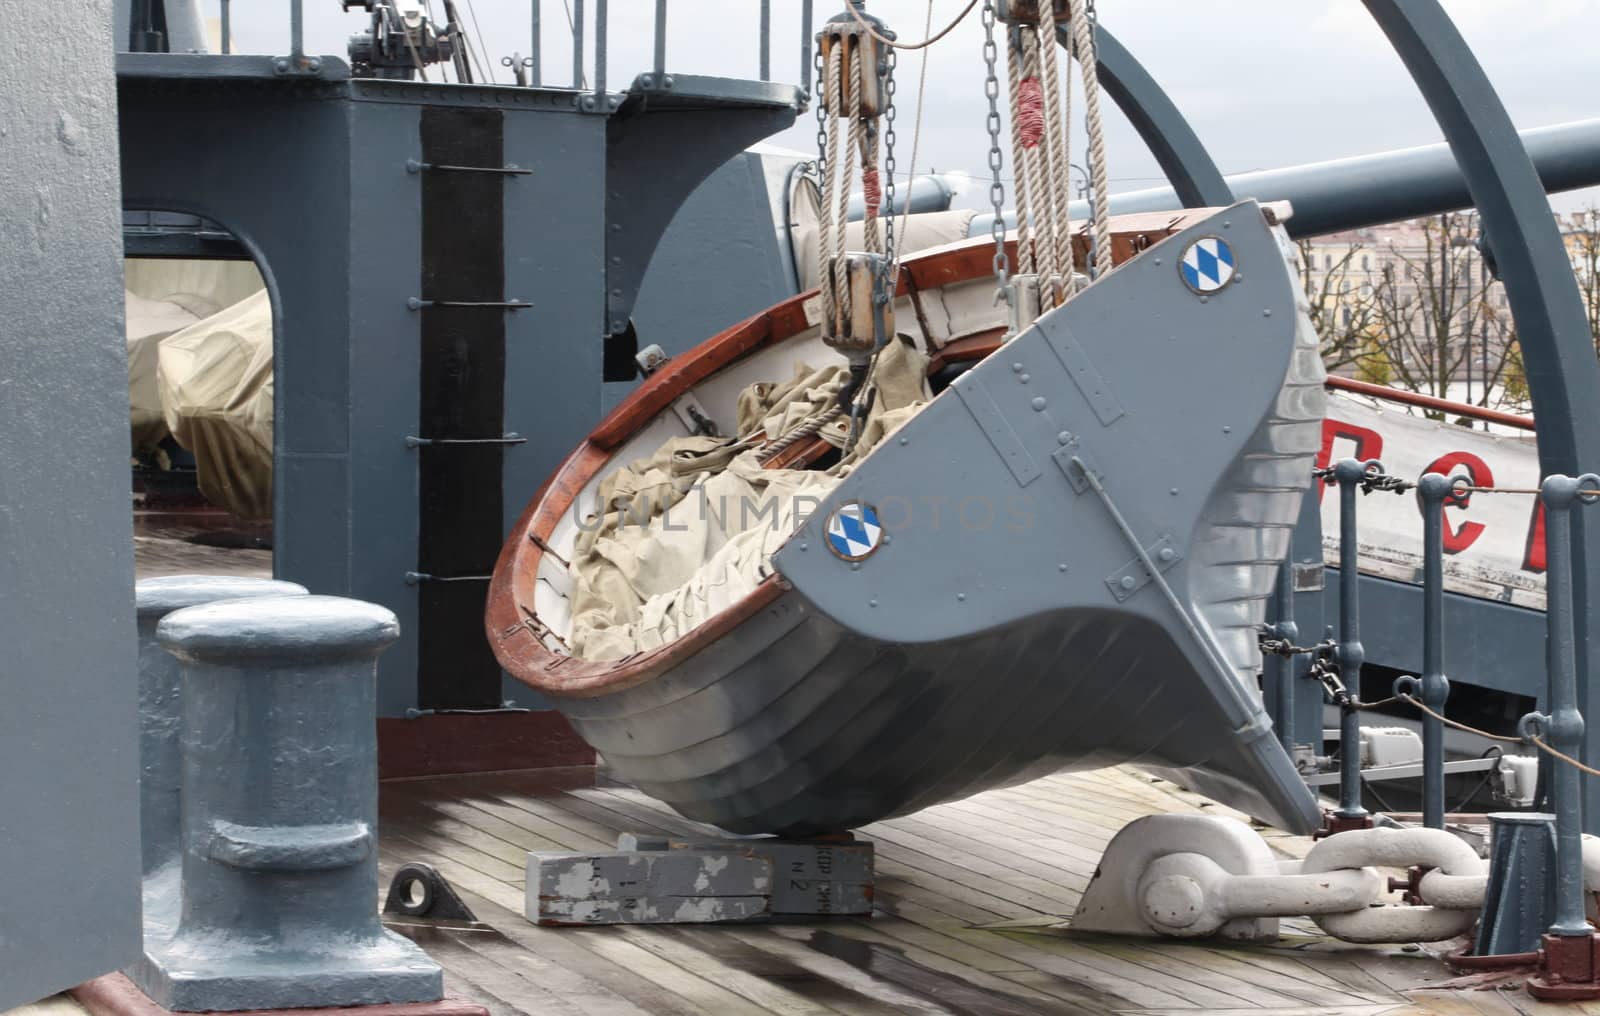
(997, 189)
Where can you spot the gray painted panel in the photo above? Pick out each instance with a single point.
(69, 822)
(385, 270)
(555, 258)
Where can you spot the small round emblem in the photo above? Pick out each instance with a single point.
(854, 532)
(1207, 265)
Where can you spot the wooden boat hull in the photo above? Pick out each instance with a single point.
(955, 657)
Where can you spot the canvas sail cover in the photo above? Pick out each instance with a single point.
(164, 296)
(215, 382)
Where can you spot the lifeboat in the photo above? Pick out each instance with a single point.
(1058, 559)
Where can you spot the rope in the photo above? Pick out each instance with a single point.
(1540, 743)
(841, 278)
(807, 427)
(916, 140)
(1037, 163)
(871, 191)
(1061, 252)
(1019, 157)
(925, 43)
(1030, 113)
(830, 181)
(1099, 176)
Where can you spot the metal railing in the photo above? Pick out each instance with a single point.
(1558, 734)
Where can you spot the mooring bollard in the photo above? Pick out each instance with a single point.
(280, 866)
(1521, 894)
(160, 706)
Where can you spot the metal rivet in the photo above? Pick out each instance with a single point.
(1158, 261)
(1167, 554)
(1061, 567)
(961, 596)
(1173, 491)
(887, 539)
(805, 546)
(1016, 368)
(855, 565)
(1227, 430)
(872, 603)
(1039, 404)
(1205, 299)
(1065, 437)
(1238, 280)
(1226, 224)
(1127, 582)
(1266, 313)
(1024, 378)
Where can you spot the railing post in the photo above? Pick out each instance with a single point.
(297, 34)
(227, 27)
(766, 40)
(661, 39)
(1350, 474)
(577, 44)
(535, 75)
(1570, 958)
(600, 27)
(805, 46)
(1434, 490)
(1563, 726)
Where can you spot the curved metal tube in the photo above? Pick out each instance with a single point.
(1557, 345)
(1188, 166)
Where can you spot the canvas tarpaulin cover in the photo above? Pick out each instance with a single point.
(689, 531)
(215, 380)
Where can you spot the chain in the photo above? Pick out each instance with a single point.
(820, 98)
(997, 189)
(886, 73)
(1373, 480)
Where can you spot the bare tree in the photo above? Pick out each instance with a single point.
(1342, 305)
(1437, 321)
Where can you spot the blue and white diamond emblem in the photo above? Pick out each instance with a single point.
(1207, 265)
(854, 531)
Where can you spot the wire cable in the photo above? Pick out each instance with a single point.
(925, 43)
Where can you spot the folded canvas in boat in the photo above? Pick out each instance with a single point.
(689, 531)
(215, 379)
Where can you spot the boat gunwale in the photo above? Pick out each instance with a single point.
(510, 621)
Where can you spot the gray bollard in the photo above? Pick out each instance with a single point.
(160, 710)
(280, 771)
(1520, 899)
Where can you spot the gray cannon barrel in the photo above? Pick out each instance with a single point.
(280, 771)
(1369, 190)
(160, 708)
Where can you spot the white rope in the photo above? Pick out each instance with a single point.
(1099, 176)
(1052, 290)
(830, 183)
(1069, 283)
(916, 140)
(841, 273)
(1025, 264)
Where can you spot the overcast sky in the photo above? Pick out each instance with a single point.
(1272, 83)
